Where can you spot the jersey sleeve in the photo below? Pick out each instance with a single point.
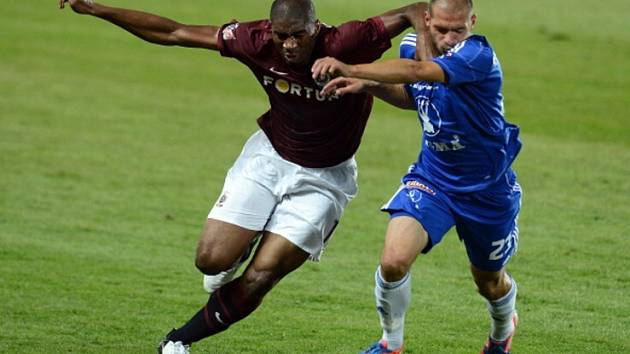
(407, 48)
(241, 40)
(469, 61)
(360, 41)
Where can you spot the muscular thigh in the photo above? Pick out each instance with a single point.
(275, 257)
(404, 240)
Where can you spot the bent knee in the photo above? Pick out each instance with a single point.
(394, 268)
(210, 263)
(491, 292)
(221, 245)
(493, 288)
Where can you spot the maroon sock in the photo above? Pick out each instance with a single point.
(227, 305)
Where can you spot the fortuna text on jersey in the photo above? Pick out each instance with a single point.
(292, 88)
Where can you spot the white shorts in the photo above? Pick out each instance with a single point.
(263, 191)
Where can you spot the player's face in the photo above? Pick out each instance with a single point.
(448, 28)
(295, 39)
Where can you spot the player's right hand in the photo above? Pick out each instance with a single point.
(79, 6)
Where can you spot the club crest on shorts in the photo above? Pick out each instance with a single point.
(221, 200)
(415, 195)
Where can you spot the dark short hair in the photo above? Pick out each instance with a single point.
(293, 9)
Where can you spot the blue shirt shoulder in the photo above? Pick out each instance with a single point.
(407, 47)
(471, 60)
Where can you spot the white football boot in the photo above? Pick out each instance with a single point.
(173, 348)
(213, 282)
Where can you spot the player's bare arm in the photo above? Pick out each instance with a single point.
(413, 15)
(398, 20)
(395, 95)
(424, 48)
(149, 27)
(393, 71)
(398, 71)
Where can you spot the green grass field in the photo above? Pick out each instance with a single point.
(112, 151)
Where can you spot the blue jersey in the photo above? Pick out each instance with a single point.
(468, 145)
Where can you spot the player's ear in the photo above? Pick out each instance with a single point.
(318, 26)
(473, 20)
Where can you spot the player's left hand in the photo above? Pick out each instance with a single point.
(329, 66)
(343, 85)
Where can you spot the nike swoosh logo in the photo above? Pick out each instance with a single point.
(273, 70)
(218, 317)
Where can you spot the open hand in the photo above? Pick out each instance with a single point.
(329, 67)
(79, 6)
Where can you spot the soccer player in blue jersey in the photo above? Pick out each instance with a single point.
(463, 175)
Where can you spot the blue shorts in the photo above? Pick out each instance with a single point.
(485, 221)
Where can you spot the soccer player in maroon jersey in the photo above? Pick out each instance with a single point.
(295, 175)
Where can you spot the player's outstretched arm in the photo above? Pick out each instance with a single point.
(393, 71)
(395, 95)
(151, 28)
(398, 20)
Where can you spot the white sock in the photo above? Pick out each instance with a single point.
(392, 302)
(501, 313)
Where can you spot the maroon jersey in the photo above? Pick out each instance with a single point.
(305, 127)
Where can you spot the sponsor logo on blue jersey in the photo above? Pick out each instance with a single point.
(429, 116)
